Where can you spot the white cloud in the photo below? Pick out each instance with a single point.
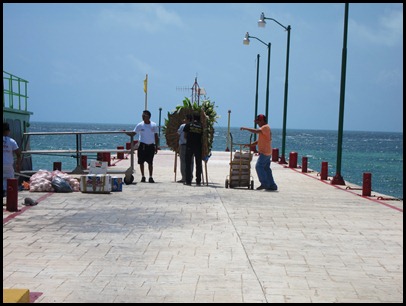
(387, 30)
(149, 17)
(390, 78)
(392, 26)
(140, 66)
(325, 76)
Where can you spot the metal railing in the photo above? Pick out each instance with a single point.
(78, 151)
(14, 86)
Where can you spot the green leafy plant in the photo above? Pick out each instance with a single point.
(208, 116)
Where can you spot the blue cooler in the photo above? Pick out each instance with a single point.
(116, 184)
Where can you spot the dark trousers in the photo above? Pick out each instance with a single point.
(197, 153)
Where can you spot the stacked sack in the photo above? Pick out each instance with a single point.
(42, 180)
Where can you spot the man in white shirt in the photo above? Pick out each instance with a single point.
(10, 147)
(148, 138)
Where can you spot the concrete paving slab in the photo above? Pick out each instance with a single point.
(310, 241)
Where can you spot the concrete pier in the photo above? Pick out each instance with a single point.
(308, 242)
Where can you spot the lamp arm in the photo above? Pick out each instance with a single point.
(249, 36)
(286, 28)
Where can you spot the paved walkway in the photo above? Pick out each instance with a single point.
(165, 242)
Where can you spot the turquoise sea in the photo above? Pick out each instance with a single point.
(378, 153)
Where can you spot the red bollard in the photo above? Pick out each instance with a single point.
(107, 158)
(366, 184)
(83, 162)
(12, 194)
(324, 171)
(275, 155)
(104, 156)
(128, 147)
(304, 164)
(120, 155)
(58, 166)
(293, 160)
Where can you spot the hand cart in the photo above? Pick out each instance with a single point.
(240, 167)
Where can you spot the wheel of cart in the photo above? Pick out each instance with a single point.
(129, 177)
(128, 180)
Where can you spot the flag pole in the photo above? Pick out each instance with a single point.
(146, 91)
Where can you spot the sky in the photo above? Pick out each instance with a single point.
(88, 62)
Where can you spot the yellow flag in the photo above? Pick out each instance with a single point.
(146, 84)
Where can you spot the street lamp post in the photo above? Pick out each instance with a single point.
(261, 24)
(256, 98)
(246, 41)
(338, 179)
(159, 130)
(228, 132)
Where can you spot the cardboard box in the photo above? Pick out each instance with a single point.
(116, 183)
(95, 183)
(243, 156)
(98, 167)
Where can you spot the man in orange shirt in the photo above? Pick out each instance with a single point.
(264, 142)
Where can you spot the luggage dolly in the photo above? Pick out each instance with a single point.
(240, 167)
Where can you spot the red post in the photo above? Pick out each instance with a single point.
(275, 155)
(12, 195)
(58, 166)
(304, 164)
(293, 160)
(128, 144)
(104, 156)
(120, 155)
(366, 184)
(107, 158)
(83, 162)
(324, 171)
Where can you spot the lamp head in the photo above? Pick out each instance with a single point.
(261, 21)
(246, 40)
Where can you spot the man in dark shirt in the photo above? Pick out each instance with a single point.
(194, 136)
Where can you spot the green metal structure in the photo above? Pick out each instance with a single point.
(16, 113)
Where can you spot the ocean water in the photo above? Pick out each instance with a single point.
(378, 153)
